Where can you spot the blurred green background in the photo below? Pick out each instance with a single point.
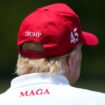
(92, 16)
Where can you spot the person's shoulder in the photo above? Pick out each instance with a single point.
(80, 92)
(2, 98)
(83, 96)
(6, 98)
(95, 95)
(5, 95)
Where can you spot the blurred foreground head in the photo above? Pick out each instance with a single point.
(50, 40)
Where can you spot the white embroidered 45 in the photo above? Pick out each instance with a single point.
(74, 36)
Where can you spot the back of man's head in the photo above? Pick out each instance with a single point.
(47, 36)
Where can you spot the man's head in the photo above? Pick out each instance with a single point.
(56, 28)
(52, 32)
(68, 65)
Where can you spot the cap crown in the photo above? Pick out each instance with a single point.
(56, 27)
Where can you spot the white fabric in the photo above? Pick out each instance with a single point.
(44, 89)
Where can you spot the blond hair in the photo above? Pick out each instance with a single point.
(52, 65)
(26, 65)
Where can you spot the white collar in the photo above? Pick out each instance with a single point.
(38, 78)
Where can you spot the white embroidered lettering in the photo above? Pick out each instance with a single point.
(74, 36)
(33, 34)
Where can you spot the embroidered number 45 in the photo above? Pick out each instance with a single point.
(74, 36)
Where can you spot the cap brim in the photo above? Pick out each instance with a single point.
(89, 39)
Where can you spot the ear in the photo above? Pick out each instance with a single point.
(70, 63)
(71, 67)
(74, 63)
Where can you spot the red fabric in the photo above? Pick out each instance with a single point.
(57, 28)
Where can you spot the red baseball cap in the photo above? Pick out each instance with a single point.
(57, 28)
